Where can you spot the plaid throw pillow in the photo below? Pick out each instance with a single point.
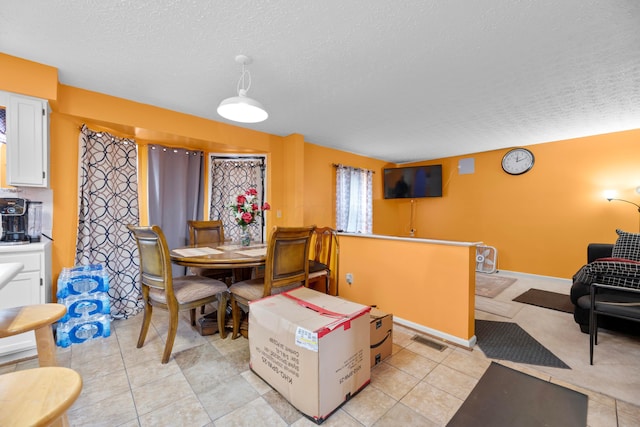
(612, 271)
(627, 246)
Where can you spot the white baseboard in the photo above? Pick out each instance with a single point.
(534, 276)
(434, 332)
(18, 356)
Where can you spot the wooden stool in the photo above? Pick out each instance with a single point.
(38, 397)
(37, 318)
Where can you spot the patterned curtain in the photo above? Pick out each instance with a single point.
(354, 199)
(108, 196)
(230, 177)
(3, 125)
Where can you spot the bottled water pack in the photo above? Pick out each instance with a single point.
(82, 280)
(84, 291)
(81, 306)
(76, 331)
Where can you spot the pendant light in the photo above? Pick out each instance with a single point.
(241, 108)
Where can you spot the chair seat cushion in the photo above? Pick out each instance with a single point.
(190, 288)
(616, 304)
(315, 267)
(253, 289)
(249, 290)
(321, 273)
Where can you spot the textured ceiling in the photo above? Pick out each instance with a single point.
(394, 80)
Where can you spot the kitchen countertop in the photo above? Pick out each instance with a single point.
(8, 271)
(28, 247)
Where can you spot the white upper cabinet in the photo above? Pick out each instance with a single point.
(27, 140)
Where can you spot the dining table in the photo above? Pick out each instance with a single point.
(220, 256)
(243, 260)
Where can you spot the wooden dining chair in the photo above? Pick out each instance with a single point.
(320, 257)
(202, 232)
(286, 267)
(160, 289)
(205, 232)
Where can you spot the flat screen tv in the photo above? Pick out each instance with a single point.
(413, 182)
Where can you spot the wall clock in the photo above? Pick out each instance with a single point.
(517, 161)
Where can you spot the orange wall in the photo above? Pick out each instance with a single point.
(28, 78)
(424, 283)
(320, 182)
(72, 107)
(147, 124)
(540, 222)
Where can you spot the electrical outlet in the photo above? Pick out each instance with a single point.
(349, 278)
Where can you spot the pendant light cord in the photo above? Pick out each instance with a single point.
(242, 91)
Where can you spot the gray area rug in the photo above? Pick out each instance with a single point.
(506, 397)
(508, 341)
(489, 285)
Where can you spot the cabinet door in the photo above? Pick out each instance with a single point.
(27, 142)
(24, 289)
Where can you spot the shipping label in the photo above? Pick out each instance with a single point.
(307, 339)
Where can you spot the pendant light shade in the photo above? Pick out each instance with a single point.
(241, 108)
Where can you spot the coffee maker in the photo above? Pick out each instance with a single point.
(15, 221)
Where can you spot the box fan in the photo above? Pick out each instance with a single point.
(486, 259)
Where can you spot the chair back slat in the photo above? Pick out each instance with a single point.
(323, 238)
(287, 258)
(321, 263)
(201, 232)
(155, 263)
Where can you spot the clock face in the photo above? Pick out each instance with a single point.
(517, 161)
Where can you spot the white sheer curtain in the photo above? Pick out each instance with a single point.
(354, 194)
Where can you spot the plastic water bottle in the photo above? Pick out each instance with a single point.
(83, 290)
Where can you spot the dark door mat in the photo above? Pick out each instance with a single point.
(506, 397)
(546, 299)
(508, 341)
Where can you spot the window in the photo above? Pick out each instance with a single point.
(354, 204)
(231, 176)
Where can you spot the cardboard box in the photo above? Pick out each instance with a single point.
(381, 335)
(311, 347)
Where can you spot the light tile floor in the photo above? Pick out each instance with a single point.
(207, 381)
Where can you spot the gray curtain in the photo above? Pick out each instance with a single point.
(108, 193)
(176, 192)
(230, 177)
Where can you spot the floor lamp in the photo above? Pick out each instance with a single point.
(631, 203)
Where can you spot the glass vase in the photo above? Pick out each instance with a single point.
(245, 237)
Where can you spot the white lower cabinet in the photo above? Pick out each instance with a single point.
(31, 286)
